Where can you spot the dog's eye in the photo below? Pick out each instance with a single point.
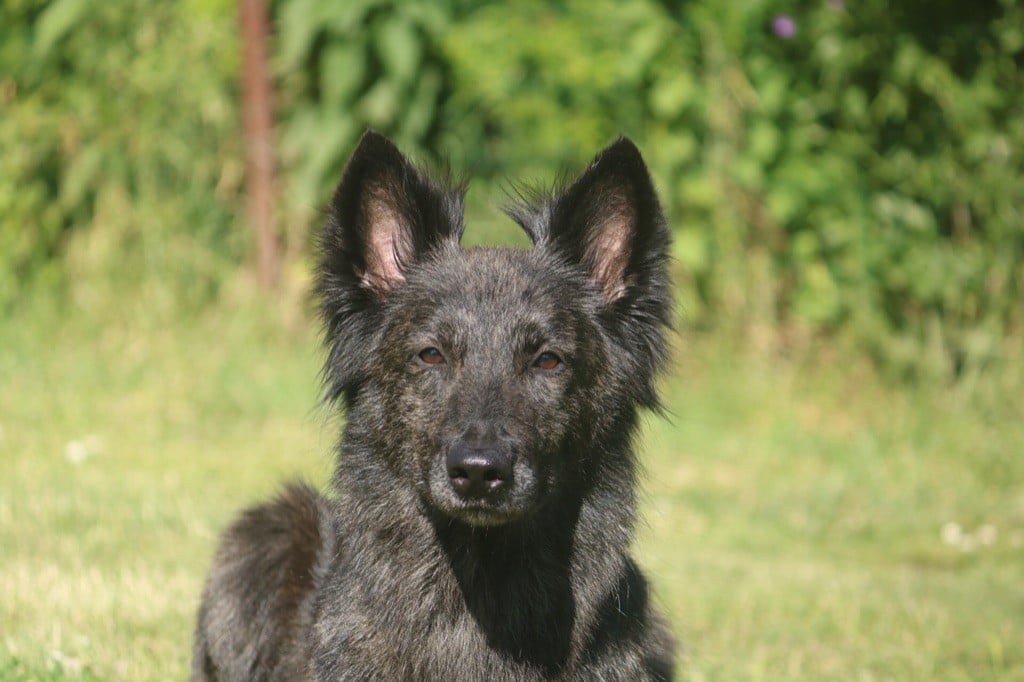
(547, 360)
(431, 356)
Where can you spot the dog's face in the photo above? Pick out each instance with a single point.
(493, 380)
(484, 365)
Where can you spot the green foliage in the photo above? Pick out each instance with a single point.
(347, 66)
(119, 164)
(539, 85)
(863, 176)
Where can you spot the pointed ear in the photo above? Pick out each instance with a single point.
(384, 217)
(610, 222)
(385, 214)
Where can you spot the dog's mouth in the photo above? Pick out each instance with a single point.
(494, 509)
(484, 514)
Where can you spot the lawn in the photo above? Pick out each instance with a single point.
(802, 519)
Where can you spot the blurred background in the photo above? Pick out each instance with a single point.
(838, 489)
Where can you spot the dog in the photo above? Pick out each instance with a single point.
(483, 500)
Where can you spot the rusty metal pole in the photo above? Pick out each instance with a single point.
(258, 117)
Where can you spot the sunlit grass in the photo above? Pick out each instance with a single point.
(795, 520)
(796, 514)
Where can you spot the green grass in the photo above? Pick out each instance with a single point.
(793, 510)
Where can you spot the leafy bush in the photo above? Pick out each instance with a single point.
(850, 168)
(829, 168)
(120, 162)
(347, 66)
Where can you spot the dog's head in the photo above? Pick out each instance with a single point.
(492, 381)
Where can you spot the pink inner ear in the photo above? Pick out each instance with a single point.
(609, 250)
(387, 243)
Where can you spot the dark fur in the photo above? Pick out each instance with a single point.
(402, 575)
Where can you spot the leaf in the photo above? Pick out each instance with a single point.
(380, 104)
(817, 299)
(80, 175)
(690, 248)
(420, 111)
(348, 16)
(342, 71)
(399, 49)
(764, 141)
(299, 29)
(55, 22)
(671, 94)
(643, 48)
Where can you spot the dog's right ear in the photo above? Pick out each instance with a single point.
(384, 216)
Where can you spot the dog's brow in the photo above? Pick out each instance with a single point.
(531, 335)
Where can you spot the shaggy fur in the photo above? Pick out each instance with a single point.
(483, 500)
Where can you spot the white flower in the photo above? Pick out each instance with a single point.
(75, 451)
(952, 534)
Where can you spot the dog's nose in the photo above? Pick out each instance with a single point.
(476, 472)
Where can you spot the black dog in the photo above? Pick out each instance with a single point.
(484, 492)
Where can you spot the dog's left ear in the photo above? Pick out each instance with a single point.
(610, 222)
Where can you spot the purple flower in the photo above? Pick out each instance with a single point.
(783, 26)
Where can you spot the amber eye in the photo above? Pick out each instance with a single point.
(547, 360)
(431, 356)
